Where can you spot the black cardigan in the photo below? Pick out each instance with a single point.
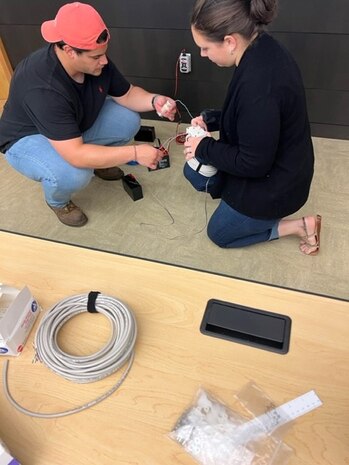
(264, 154)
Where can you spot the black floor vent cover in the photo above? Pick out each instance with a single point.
(245, 325)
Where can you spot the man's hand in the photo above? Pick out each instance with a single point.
(98, 156)
(148, 156)
(165, 107)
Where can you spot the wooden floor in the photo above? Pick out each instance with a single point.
(173, 359)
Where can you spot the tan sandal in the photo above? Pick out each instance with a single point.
(315, 235)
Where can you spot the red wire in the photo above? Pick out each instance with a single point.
(177, 73)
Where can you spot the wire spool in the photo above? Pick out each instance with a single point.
(88, 368)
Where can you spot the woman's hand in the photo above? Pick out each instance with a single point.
(190, 145)
(198, 121)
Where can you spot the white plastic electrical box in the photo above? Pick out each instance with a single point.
(18, 312)
(185, 62)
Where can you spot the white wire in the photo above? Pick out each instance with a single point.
(173, 220)
(83, 369)
(185, 106)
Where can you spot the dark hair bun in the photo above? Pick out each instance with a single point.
(263, 11)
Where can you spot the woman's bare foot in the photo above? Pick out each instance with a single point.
(307, 228)
(310, 243)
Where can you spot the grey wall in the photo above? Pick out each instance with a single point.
(147, 37)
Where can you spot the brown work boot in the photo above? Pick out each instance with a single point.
(109, 174)
(70, 215)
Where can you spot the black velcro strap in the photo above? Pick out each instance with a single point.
(91, 302)
(198, 168)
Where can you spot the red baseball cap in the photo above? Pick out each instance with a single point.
(77, 24)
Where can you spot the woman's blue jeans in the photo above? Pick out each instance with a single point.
(228, 228)
(34, 157)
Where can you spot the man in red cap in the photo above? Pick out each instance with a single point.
(70, 112)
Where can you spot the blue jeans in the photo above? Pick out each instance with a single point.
(228, 228)
(34, 157)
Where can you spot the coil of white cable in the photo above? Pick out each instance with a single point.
(84, 369)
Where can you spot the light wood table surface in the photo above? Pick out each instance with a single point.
(173, 360)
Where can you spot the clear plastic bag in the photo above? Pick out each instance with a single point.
(249, 433)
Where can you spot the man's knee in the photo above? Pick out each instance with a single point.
(134, 123)
(115, 125)
(130, 124)
(73, 180)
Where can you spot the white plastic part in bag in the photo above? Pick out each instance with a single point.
(251, 434)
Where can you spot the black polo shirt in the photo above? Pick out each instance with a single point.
(45, 100)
